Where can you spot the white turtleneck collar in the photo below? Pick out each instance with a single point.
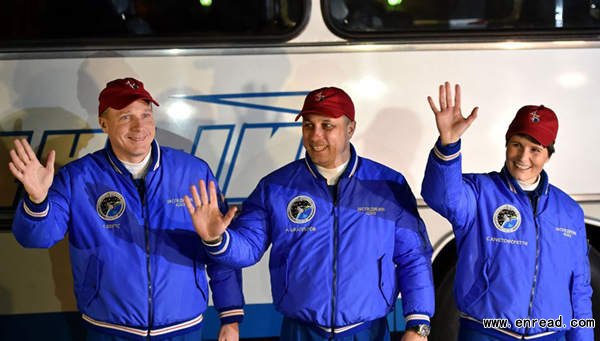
(138, 170)
(332, 174)
(531, 186)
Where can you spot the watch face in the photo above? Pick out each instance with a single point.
(422, 330)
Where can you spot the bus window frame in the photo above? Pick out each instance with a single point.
(459, 36)
(154, 43)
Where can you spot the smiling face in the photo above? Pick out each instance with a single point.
(130, 130)
(525, 159)
(327, 139)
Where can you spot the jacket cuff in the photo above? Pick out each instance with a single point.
(448, 152)
(231, 316)
(416, 319)
(220, 247)
(35, 210)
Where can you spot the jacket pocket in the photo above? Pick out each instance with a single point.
(200, 277)
(479, 288)
(279, 282)
(387, 280)
(91, 282)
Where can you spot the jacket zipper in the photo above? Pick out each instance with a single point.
(141, 187)
(537, 255)
(335, 260)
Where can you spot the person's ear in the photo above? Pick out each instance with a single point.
(102, 122)
(351, 128)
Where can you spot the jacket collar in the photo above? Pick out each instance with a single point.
(513, 185)
(348, 172)
(118, 166)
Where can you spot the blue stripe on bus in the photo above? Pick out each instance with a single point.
(225, 99)
(261, 320)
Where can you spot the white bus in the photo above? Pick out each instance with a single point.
(230, 76)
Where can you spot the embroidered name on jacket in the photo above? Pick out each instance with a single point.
(301, 209)
(178, 202)
(566, 232)
(506, 241)
(300, 229)
(507, 218)
(370, 210)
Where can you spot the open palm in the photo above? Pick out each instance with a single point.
(450, 122)
(26, 167)
(207, 218)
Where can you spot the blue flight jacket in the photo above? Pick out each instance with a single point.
(336, 261)
(513, 262)
(138, 265)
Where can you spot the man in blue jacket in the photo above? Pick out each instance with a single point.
(138, 266)
(344, 232)
(522, 248)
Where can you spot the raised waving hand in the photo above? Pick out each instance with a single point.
(448, 118)
(26, 167)
(207, 218)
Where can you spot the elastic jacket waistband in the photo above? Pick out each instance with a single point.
(145, 332)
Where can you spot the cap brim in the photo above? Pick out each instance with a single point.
(144, 97)
(319, 113)
(126, 100)
(527, 133)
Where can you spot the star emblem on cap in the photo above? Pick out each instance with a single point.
(535, 117)
(319, 97)
(132, 84)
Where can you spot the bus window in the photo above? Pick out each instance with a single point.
(71, 23)
(396, 18)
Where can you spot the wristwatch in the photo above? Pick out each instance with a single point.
(421, 329)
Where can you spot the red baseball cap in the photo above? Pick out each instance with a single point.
(328, 101)
(119, 93)
(538, 122)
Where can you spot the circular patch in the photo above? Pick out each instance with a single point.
(301, 209)
(507, 218)
(110, 206)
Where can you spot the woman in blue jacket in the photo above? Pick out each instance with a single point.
(521, 242)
